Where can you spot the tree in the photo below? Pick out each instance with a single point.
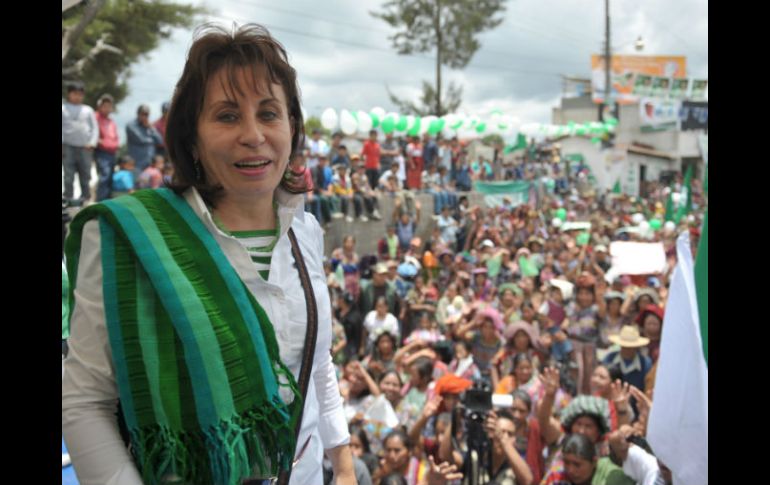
(314, 122)
(429, 100)
(101, 39)
(449, 27)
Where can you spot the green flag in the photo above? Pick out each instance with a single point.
(669, 216)
(527, 267)
(616, 187)
(493, 266)
(685, 202)
(702, 285)
(521, 142)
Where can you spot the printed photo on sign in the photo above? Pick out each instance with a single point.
(625, 73)
(699, 88)
(679, 88)
(660, 87)
(694, 115)
(643, 85)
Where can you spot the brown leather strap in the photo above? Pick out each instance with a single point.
(310, 338)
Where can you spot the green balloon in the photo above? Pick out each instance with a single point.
(388, 125)
(611, 122)
(596, 140)
(561, 213)
(433, 128)
(457, 124)
(441, 124)
(375, 120)
(655, 224)
(582, 238)
(401, 124)
(481, 127)
(415, 131)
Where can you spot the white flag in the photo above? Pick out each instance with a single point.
(678, 427)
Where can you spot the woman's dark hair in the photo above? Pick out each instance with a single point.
(216, 48)
(522, 396)
(615, 373)
(424, 366)
(465, 344)
(402, 435)
(521, 357)
(580, 445)
(389, 372)
(359, 431)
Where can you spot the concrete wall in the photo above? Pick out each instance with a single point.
(367, 234)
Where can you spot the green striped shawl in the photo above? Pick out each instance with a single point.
(195, 356)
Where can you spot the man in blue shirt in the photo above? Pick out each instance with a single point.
(633, 365)
(429, 151)
(142, 138)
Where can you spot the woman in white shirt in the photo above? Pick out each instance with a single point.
(379, 321)
(192, 305)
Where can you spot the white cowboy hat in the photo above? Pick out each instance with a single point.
(629, 337)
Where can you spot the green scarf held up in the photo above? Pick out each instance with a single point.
(196, 358)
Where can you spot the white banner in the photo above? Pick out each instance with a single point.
(634, 258)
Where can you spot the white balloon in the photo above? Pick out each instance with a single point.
(364, 122)
(329, 119)
(637, 218)
(669, 226)
(471, 123)
(675, 197)
(348, 124)
(644, 226)
(556, 222)
(410, 122)
(426, 123)
(379, 111)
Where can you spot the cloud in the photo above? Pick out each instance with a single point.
(344, 60)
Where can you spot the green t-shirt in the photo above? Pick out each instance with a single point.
(608, 473)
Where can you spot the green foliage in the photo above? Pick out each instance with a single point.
(427, 105)
(315, 122)
(136, 27)
(447, 27)
(493, 140)
(450, 25)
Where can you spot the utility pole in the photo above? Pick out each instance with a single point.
(607, 61)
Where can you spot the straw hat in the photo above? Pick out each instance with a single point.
(629, 337)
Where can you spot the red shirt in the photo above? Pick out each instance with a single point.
(371, 154)
(160, 125)
(108, 134)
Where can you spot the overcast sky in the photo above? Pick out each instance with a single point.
(344, 59)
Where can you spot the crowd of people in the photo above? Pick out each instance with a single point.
(497, 300)
(91, 137)
(504, 299)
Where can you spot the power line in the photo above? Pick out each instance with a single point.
(356, 26)
(390, 51)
